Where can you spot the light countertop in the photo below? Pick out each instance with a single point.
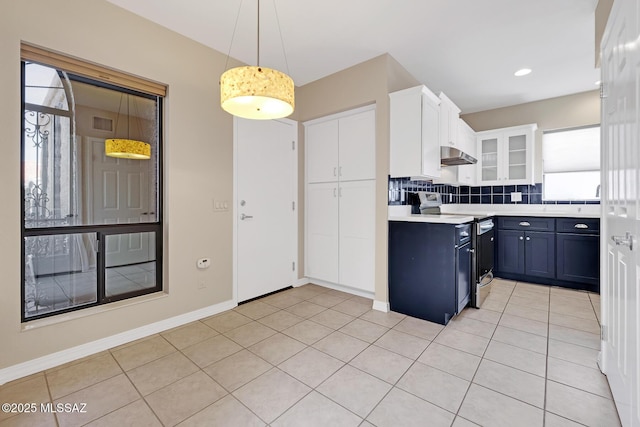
(459, 214)
(437, 219)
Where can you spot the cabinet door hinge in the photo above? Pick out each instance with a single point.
(293, 206)
(603, 332)
(293, 266)
(293, 145)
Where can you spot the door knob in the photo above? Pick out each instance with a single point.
(626, 240)
(243, 216)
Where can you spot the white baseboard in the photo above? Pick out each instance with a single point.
(301, 282)
(55, 359)
(342, 288)
(381, 306)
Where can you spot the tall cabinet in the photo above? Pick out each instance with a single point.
(340, 199)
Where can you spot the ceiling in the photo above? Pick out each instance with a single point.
(468, 49)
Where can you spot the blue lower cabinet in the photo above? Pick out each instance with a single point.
(579, 258)
(558, 252)
(527, 252)
(422, 271)
(511, 251)
(540, 254)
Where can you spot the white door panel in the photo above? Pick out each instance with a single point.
(621, 220)
(321, 145)
(357, 136)
(119, 198)
(265, 185)
(322, 231)
(357, 233)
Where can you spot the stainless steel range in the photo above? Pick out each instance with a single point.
(482, 241)
(483, 244)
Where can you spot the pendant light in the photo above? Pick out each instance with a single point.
(255, 92)
(126, 148)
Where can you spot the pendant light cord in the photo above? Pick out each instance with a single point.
(284, 53)
(233, 36)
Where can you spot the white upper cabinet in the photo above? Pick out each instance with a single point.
(341, 148)
(415, 133)
(467, 140)
(449, 122)
(505, 156)
(356, 153)
(462, 174)
(321, 145)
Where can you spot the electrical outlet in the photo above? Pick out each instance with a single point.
(203, 263)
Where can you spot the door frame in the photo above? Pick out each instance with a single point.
(234, 213)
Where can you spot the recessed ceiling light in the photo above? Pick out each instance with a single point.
(522, 72)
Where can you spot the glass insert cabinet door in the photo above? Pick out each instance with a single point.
(489, 150)
(92, 223)
(506, 155)
(517, 157)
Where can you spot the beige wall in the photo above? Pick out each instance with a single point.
(581, 109)
(363, 84)
(198, 150)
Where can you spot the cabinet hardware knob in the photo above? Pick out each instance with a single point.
(521, 238)
(243, 216)
(528, 238)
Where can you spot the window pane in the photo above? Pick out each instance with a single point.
(60, 272)
(43, 86)
(131, 263)
(68, 179)
(572, 186)
(571, 150)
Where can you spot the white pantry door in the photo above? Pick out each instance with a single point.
(266, 218)
(621, 210)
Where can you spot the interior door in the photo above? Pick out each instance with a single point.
(266, 176)
(620, 183)
(119, 196)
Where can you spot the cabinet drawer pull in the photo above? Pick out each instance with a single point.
(583, 226)
(524, 224)
(334, 171)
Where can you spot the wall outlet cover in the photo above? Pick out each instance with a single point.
(203, 263)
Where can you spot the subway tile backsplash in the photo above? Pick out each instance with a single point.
(486, 194)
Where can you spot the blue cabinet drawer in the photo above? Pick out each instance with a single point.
(526, 223)
(578, 225)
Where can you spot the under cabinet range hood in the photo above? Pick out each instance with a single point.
(451, 156)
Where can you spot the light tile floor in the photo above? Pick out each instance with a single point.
(311, 356)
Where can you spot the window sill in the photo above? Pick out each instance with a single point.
(91, 311)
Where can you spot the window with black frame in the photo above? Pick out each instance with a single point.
(92, 222)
